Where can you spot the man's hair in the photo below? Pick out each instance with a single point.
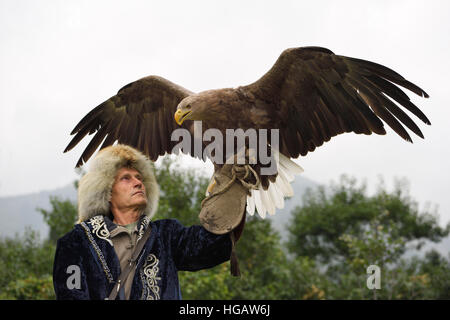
(94, 189)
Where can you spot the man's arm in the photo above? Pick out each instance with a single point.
(69, 275)
(195, 248)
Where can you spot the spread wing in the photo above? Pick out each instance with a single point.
(312, 95)
(139, 115)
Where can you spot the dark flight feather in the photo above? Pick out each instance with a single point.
(309, 94)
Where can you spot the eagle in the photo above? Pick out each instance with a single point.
(309, 95)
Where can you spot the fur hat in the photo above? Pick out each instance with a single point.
(94, 188)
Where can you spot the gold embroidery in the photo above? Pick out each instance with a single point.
(99, 253)
(149, 278)
(99, 228)
(144, 225)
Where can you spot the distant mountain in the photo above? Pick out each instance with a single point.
(17, 212)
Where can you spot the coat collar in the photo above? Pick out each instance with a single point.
(101, 226)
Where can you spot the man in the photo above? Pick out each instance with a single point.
(116, 200)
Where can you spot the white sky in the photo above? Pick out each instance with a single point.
(59, 59)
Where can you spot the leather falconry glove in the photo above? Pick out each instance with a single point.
(224, 209)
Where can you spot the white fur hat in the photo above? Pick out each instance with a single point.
(94, 188)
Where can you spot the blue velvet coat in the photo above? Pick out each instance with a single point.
(171, 247)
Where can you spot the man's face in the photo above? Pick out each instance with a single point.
(128, 191)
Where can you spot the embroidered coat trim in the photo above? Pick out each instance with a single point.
(170, 248)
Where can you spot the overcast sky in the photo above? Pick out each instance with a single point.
(59, 59)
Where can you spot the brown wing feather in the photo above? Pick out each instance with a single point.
(318, 95)
(140, 114)
(155, 145)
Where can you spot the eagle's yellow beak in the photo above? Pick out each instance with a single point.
(181, 115)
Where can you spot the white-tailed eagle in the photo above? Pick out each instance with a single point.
(309, 95)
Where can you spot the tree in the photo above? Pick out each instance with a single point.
(345, 231)
(437, 268)
(26, 262)
(29, 288)
(26, 258)
(263, 263)
(181, 192)
(63, 215)
(61, 218)
(346, 208)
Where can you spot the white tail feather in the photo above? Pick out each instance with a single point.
(270, 205)
(285, 173)
(290, 165)
(259, 206)
(268, 200)
(251, 203)
(281, 184)
(276, 197)
(288, 192)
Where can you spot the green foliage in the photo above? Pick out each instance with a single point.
(61, 218)
(316, 227)
(24, 257)
(30, 288)
(437, 269)
(376, 245)
(208, 284)
(26, 262)
(263, 265)
(262, 261)
(181, 192)
(306, 282)
(346, 231)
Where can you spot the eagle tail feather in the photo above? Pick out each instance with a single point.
(266, 201)
(251, 203)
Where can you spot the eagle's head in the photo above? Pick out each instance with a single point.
(205, 106)
(189, 108)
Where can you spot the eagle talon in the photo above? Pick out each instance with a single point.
(211, 187)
